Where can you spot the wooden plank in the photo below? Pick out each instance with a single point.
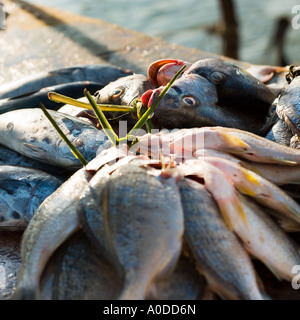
(40, 38)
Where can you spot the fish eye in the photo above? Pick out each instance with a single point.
(117, 92)
(217, 77)
(190, 101)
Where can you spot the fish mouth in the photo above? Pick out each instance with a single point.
(150, 96)
(162, 71)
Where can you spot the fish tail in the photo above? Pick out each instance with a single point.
(25, 294)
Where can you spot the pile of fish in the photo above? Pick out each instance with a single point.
(184, 213)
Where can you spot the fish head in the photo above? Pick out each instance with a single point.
(189, 102)
(235, 86)
(160, 72)
(124, 90)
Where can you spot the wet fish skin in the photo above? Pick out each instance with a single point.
(22, 190)
(280, 133)
(252, 184)
(124, 90)
(54, 221)
(30, 133)
(13, 158)
(142, 238)
(277, 174)
(288, 106)
(192, 101)
(234, 85)
(266, 241)
(184, 143)
(224, 262)
(33, 83)
(263, 150)
(72, 89)
(77, 272)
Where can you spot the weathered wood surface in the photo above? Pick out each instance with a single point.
(40, 38)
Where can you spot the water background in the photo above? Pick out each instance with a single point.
(183, 22)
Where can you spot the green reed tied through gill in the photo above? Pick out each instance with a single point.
(98, 109)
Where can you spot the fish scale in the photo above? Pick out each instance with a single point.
(143, 237)
(219, 254)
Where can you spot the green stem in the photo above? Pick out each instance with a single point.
(139, 106)
(76, 153)
(57, 97)
(146, 115)
(102, 119)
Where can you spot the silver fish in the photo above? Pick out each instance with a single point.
(54, 221)
(33, 100)
(266, 241)
(22, 190)
(30, 133)
(13, 158)
(128, 227)
(220, 256)
(78, 272)
(33, 83)
(124, 90)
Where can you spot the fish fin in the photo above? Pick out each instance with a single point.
(249, 176)
(228, 206)
(226, 218)
(235, 144)
(284, 161)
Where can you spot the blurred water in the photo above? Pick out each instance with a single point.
(182, 22)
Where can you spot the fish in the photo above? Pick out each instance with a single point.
(244, 99)
(260, 235)
(184, 283)
(261, 149)
(33, 83)
(266, 241)
(124, 90)
(277, 174)
(33, 100)
(184, 143)
(235, 86)
(140, 237)
(78, 272)
(251, 184)
(22, 190)
(288, 106)
(160, 72)
(30, 133)
(192, 101)
(218, 253)
(272, 76)
(13, 158)
(280, 133)
(54, 222)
